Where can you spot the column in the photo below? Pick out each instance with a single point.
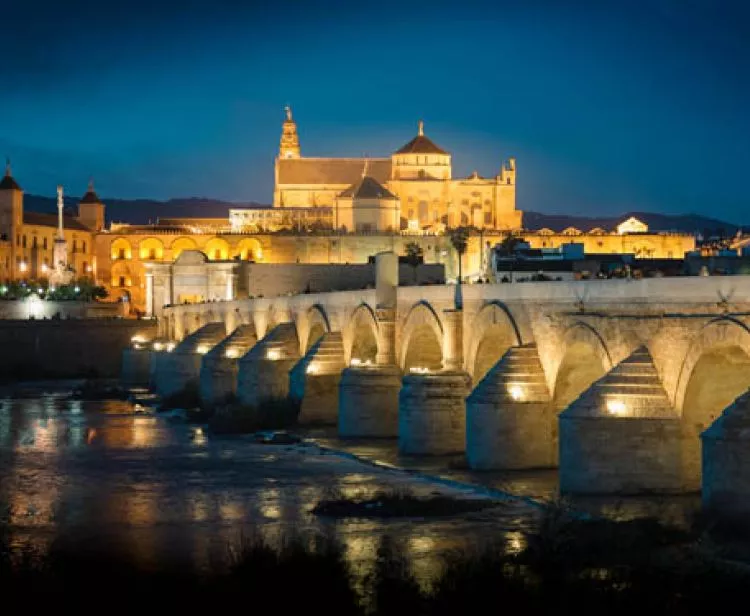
(453, 347)
(386, 355)
(149, 293)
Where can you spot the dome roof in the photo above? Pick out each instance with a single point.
(8, 183)
(90, 196)
(368, 188)
(421, 144)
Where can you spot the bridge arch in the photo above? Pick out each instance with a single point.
(421, 339)
(716, 370)
(313, 324)
(584, 359)
(361, 335)
(492, 332)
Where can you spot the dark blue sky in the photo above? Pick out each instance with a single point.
(638, 105)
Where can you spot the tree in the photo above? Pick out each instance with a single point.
(414, 256)
(460, 239)
(509, 243)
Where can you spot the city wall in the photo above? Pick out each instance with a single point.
(67, 348)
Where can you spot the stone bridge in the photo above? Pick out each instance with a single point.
(615, 381)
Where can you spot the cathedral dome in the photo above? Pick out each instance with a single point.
(421, 144)
(8, 183)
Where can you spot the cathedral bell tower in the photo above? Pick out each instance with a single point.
(289, 147)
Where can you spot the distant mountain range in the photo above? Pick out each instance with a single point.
(143, 211)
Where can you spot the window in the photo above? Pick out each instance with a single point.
(84, 247)
(44, 243)
(122, 281)
(75, 246)
(152, 253)
(33, 241)
(23, 241)
(507, 181)
(18, 239)
(420, 173)
(217, 254)
(487, 218)
(85, 266)
(122, 254)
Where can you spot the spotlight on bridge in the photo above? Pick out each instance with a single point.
(616, 407)
(202, 349)
(312, 368)
(516, 392)
(356, 361)
(170, 347)
(419, 370)
(273, 354)
(158, 346)
(232, 354)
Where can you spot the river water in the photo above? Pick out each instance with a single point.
(103, 474)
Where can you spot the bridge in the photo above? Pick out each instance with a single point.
(617, 382)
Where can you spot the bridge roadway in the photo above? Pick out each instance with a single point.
(617, 382)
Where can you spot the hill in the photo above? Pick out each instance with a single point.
(143, 211)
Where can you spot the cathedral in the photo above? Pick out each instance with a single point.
(413, 189)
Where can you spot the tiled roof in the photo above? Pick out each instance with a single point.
(368, 188)
(421, 145)
(50, 220)
(8, 183)
(341, 171)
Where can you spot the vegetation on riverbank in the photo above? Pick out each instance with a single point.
(566, 565)
(237, 418)
(397, 503)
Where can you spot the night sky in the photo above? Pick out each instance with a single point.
(641, 105)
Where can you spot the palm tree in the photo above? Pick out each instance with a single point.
(414, 256)
(459, 238)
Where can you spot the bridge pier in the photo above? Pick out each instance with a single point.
(726, 461)
(314, 380)
(219, 368)
(622, 435)
(509, 421)
(264, 370)
(368, 395)
(182, 366)
(432, 407)
(136, 367)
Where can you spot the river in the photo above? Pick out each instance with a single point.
(107, 475)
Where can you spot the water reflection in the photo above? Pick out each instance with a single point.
(109, 475)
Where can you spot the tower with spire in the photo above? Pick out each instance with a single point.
(289, 146)
(91, 209)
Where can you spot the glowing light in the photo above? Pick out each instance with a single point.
(138, 338)
(40, 291)
(312, 368)
(170, 347)
(137, 346)
(356, 361)
(516, 392)
(158, 346)
(22, 266)
(3, 289)
(419, 370)
(89, 268)
(202, 349)
(273, 354)
(45, 267)
(232, 353)
(616, 407)
(77, 289)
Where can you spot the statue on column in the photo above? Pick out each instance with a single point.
(61, 272)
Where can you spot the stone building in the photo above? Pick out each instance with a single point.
(419, 175)
(27, 239)
(325, 210)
